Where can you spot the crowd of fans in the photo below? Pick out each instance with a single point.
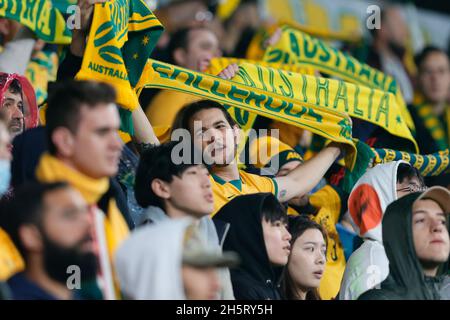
(88, 214)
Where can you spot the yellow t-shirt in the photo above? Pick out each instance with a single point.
(247, 184)
(11, 261)
(329, 202)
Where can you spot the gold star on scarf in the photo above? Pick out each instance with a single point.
(145, 40)
(135, 56)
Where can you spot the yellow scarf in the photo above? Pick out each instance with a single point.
(11, 261)
(40, 16)
(50, 169)
(375, 106)
(122, 35)
(258, 93)
(296, 47)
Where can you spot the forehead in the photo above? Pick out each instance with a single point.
(311, 235)
(100, 115)
(436, 59)
(10, 95)
(63, 199)
(208, 117)
(203, 35)
(427, 206)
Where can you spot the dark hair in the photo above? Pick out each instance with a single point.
(14, 86)
(407, 171)
(297, 226)
(185, 115)
(66, 101)
(180, 39)
(420, 57)
(157, 163)
(26, 207)
(272, 210)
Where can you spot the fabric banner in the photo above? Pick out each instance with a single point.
(259, 94)
(428, 165)
(122, 35)
(296, 47)
(372, 105)
(40, 16)
(244, 118)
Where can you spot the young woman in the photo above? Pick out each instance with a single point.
(306, 264)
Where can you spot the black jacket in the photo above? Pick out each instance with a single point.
(406, 280)
(256, 278)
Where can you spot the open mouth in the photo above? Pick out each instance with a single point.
(209, 197)
(287, 249)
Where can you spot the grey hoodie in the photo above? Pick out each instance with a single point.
(208, 231)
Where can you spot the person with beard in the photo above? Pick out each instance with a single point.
(258, 234)
(18, 102)
(50, 224)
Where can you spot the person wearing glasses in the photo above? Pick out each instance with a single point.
(368, 266)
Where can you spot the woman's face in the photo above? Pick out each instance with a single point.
(307, 260)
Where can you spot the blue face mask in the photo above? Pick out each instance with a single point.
(5, 175)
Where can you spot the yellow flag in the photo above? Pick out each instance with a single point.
(299, 48)
(257, 95)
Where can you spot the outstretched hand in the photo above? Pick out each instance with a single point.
(229, 72)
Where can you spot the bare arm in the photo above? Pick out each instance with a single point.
(306, 176)
(143, 130)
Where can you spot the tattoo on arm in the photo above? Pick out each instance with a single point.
(282, 194)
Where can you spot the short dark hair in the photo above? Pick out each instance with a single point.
(407, 171)
(14, 86)
(420, 57)
(66, 100)
(297, 226)
(157, 163)
(26, 207)
(272, 210)
(185, 114)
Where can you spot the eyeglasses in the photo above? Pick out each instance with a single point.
(413, 188)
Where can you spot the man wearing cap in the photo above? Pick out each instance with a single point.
(416, 240)
(170, 261)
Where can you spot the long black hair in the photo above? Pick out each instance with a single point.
(297, 226)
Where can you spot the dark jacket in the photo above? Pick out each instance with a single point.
(256, 278)
(406, 280)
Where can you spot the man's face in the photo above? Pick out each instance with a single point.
(276, 239)
(191, 192)
(203, 45)
(200, 284)
(434, 77)
(213, 134)
(407, 186)
(67, 235)
(13, 106)
(431, 239)
(96, 146)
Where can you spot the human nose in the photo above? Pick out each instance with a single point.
(17, 112)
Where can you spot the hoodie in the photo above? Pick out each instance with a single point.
(255, 278)
(406, 280)
(206, 228)
(149, 262)
(368, 266)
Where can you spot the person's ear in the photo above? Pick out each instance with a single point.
(31, 238)
(161, 189)
(180, 56)
(64, 141)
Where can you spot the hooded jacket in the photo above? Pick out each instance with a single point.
(207, 229)
(368, 266)
(255, 278)
(406, 280)
(149, 262)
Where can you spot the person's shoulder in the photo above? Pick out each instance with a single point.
(375, 294)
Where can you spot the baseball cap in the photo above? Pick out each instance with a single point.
(438, 194)
(197, 254)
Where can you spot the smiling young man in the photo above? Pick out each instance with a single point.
(214, 131)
